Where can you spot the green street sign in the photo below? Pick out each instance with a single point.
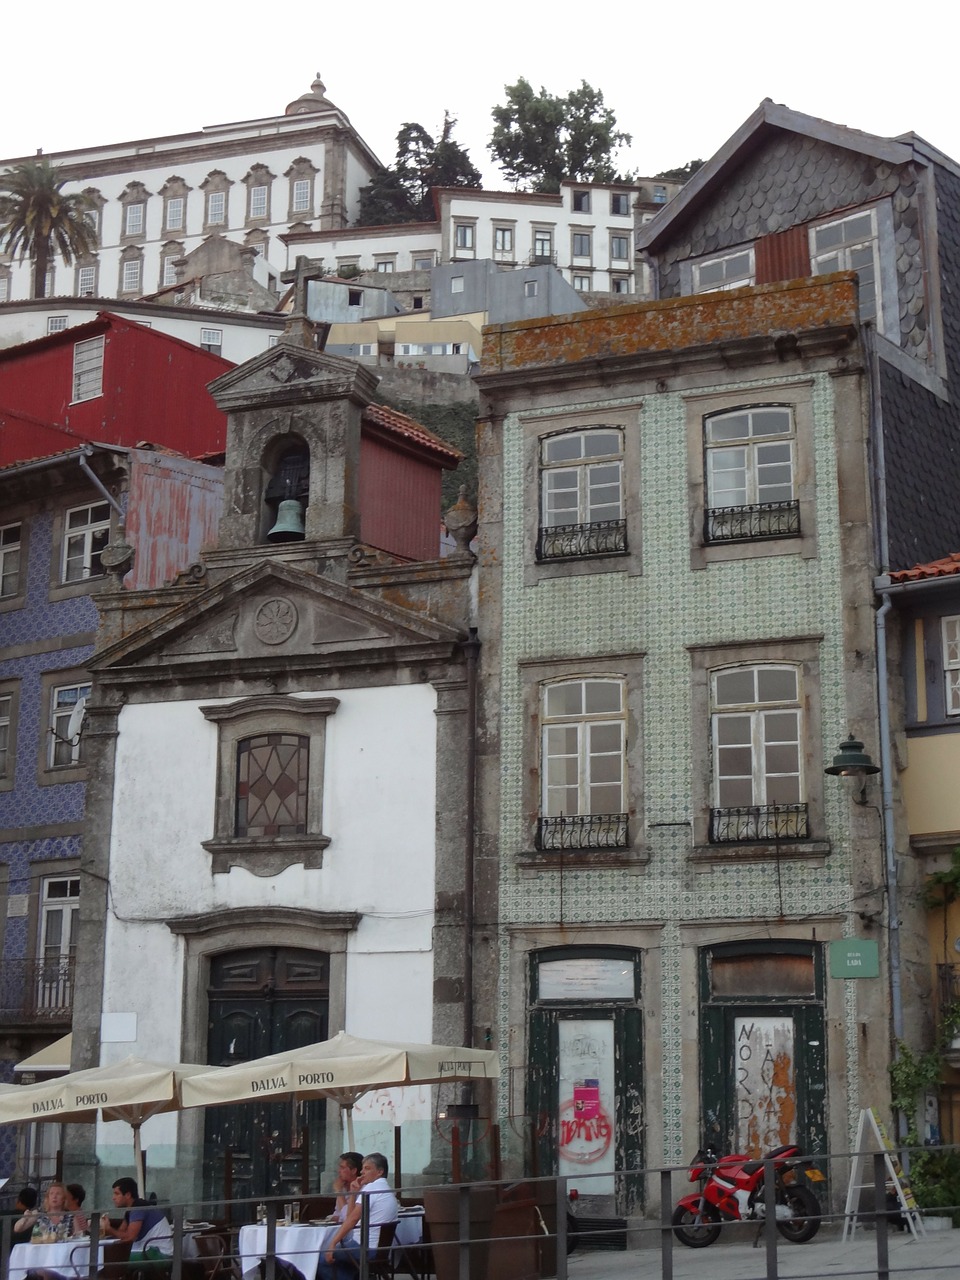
(854, 958)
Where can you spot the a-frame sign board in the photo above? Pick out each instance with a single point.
(861, 1176)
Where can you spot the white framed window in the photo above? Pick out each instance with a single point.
(581, 494)
(86, 281)
(385, 265)
(503, 239)
(750, 469)
(464, 236)
(583, 764)
(950, 648)
(216, 208)
(4, 286)
(258, 202)
(582, 246)
(272, 340)
(50, 287)
(66, 748)
(620, 284)
(620, 248)
(530, 288)
(756, 739)
(301, 197)
(851, 244)
(10, 549)
(726, 271)
(619, 203)
(175, 210)
(57, 941)
(6, 743)
(456, 284)
(56, 324)
(92, 218)
(130, 276)
(88, 369)
(133, 219)
(423, 262)
(583, 284)
(169, 274)
(86, 532)
(543, 244)
(212, 340)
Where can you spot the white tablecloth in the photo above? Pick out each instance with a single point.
(299, 1245)
(409, 1227)
(51, 1257)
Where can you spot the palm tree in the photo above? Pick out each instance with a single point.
(38, 220)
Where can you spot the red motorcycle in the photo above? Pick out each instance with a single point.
(731, 1190)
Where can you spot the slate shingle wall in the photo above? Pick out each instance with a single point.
(921, 431)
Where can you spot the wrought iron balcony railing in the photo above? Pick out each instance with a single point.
(948, 986)
(751, 823)
(584, 831)
(547, 258)
(746, 524)
(568, 541)
(36, 990)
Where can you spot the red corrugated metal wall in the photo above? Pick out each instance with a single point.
(154, 388)
(399, 501)
(173, 510)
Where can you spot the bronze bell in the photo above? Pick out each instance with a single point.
(289, 526)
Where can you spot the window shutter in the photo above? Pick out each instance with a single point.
(785, 255)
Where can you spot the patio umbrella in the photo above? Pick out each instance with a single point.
(132, 1090)
(343, 1069)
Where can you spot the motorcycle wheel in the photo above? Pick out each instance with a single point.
(805, 1207)
(696, 1230)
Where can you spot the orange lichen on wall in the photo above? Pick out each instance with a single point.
(763, 311)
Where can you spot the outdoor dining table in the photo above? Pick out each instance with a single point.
(299, 1244)
(69, 1257)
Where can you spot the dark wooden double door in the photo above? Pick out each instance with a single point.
(264, 1001)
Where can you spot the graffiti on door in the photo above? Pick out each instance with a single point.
(765, 1083)
(586, 1101)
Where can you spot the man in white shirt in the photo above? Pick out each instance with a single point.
(341, 1259)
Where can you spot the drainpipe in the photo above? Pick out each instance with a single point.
(882, 552)
(85, 453)
(471, 650)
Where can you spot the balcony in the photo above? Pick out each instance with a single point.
(542, 258)
(751, 824)
(750, 523)
(569, 541)
(584, 831)
(36, 992)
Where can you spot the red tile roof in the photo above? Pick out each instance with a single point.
(398, 424)
(944, 568)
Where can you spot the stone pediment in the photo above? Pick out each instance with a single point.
(276, 614)
(291, 372)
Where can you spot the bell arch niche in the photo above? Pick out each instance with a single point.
(285, 489)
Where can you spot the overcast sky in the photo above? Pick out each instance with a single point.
(104, 76)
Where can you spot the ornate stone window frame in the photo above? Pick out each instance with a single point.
(536, 428)
(699, 406)
(534, 675)
(259, 176)
(97, 201)
(174, 189)
(301, 170)
(245, 718)
(215, 183)
(803, 652)
(133, 194)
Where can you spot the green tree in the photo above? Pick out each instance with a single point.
(38, 220)
(540, 139)
(402, 193)
(683, 172)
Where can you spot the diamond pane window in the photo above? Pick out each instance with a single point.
(272, 773)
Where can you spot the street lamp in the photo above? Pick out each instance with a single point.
(854, 764)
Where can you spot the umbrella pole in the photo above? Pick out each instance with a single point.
(138, 1159)
(348, 1122)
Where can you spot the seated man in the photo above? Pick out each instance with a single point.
(29, 1215)
(348, 1172)
(144, 1225)
(75, 1198)
(341, 1259)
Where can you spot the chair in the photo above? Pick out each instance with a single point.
(116, 1260)
(380, 1263)
(209, 1262)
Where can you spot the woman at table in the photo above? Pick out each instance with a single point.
(54, 1219)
